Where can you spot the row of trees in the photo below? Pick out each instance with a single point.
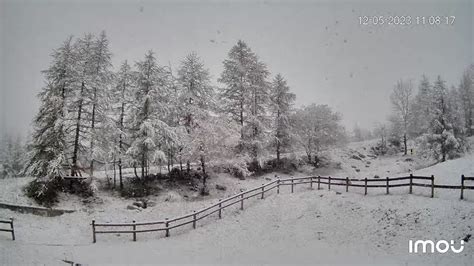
(438, 118)
(146, 114)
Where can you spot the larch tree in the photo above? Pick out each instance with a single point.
(245, 96)
(122, 95)
(282, 101)
(402, 102)
(195, 103)
(466, 95)
(421, 107)
(101, 78)
(149, 132)
(443, 138)
(236, 78)
(47, 156)
(82, 88)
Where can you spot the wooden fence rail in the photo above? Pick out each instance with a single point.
(192, 218)
(11, 230)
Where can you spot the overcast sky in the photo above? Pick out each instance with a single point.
(321, 49)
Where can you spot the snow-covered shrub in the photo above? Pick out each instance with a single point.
(285, 165)
(236, 167)
(139, 187)
(44, 192)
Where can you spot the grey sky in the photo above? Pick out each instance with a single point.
(321, 49)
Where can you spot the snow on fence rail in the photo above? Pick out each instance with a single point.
(11, 230)
(192, 218)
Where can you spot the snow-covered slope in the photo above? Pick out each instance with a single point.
(309, 226)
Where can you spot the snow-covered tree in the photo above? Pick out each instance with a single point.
(402, 102)
(11, 156)
(101, 78)
(122, 100)
(421, 108)
(150, 134)
(282, 101)
(317, 127)
(245, 97)
(82, 87)
(196, 99)
(48, 149)
(381, 131)
(466, 97)
(444, 138)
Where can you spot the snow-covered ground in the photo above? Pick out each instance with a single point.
(309, 226)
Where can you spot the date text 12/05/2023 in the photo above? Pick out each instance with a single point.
(407, 20)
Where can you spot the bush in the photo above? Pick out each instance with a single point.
(237, 168)
(138, 187)
(44, 192)
(286, 165)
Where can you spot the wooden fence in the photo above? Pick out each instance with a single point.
(192, 218)
(11, 230)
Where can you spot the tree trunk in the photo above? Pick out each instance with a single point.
(143, 164)
(76, 137)
(278, 151)
(115, 173)
(405, 143)
(92, 131)
(120, 173)
(135, 169)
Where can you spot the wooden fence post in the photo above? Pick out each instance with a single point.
(462, 186)
(220, 208)
(387, 185)
(365, 180)
(242, 202)
(411, 183)
(329, 183)
(194, 220)
(167, 227)
(93, 231)
(278, 186)
(311, 183)
(292, 184)
(13, 229)
(347, 184)
(134, 233)
(319, 182)
(432, 186)
(263, 190)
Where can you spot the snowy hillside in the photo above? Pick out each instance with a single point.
(309, 226)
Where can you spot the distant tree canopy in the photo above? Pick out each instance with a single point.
(438, 118)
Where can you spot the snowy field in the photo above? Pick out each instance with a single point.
(309, 226)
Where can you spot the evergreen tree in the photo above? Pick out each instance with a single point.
(101, 77)
(195, 102)
(282, 101)
(421, 107)
(82, 88)
(151, 135)
(47, 154)
(122, 97)
(245, 96)
(444, 138)
(466, 97)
